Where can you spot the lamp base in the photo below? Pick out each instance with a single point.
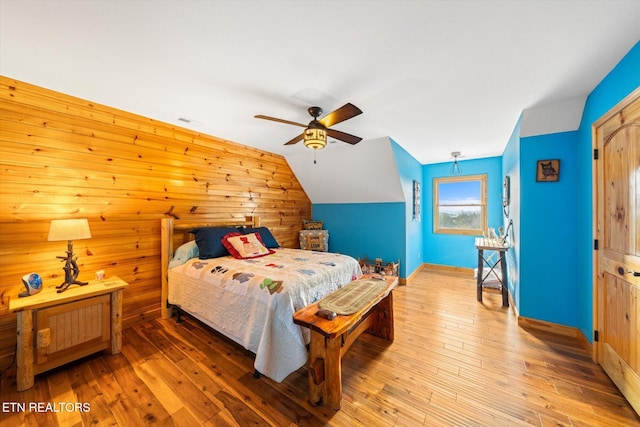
(71, 270)
(63, 287)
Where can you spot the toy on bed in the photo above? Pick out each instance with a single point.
(240, 282)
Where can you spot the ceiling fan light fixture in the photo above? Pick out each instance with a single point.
(315, 138)
(316, 132)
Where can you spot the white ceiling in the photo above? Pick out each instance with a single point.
(436, 76)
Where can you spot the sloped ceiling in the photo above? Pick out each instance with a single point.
(346, 174)
(436, 76)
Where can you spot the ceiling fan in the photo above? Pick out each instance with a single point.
(316, 132)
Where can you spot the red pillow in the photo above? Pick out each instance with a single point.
(244, 246)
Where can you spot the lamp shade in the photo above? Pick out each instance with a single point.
(315, 138)
(68, 229)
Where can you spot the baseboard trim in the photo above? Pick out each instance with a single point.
(584, 342)
(405, 281)
(512, 305)
(555, 328)
(449, 269)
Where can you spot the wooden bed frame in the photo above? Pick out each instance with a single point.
(174, 233)
(329, 339)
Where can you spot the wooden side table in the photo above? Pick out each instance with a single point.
(57, 328)
(493, 278)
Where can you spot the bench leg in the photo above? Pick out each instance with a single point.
(325, 371)
(316, 368)
(333, 374)
(382, 327)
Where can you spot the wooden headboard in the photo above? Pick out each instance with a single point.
(175, 232)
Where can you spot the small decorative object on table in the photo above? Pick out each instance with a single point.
(33, 283)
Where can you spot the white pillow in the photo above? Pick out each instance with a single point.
(184, 253)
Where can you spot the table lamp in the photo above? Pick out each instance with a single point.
(69, 230)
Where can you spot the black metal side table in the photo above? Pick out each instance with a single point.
(495, 276)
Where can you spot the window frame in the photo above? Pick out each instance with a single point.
(482, 178)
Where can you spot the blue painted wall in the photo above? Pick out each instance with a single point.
(619, 83)
(409, 170)
(388, 231)
(379, 230)
(374, 230)
(511, 168)
(452, 249)
(550, 266)
(548, 261)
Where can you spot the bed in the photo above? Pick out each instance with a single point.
(250, 300)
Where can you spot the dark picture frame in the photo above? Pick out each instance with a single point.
(416, 200)
(548, 170)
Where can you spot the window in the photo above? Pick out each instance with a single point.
(460, 205)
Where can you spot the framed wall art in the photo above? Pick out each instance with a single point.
(548, 170)
(416, 200)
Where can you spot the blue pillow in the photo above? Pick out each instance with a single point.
(265, 234)
(184, 253)
(209, 241)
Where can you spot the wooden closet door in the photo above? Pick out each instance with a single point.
(617, 294)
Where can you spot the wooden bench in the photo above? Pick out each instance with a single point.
(331, 338)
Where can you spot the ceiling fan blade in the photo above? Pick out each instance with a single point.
(343, 113)
(295, 140)
(342, 136)
(274, 119)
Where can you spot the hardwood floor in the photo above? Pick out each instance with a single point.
(454, 362)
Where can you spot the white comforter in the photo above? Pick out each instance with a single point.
(252, 301)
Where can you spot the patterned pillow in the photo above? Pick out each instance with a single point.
(243, 246)
(314, 240)
(265, 236)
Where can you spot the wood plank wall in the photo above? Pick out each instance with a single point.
(64, 157)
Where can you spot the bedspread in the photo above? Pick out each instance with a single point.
(252, 301)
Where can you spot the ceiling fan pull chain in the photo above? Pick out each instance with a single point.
(314, 157)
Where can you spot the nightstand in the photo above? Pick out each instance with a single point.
(57, 328)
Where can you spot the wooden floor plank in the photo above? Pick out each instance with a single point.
(454, 362)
